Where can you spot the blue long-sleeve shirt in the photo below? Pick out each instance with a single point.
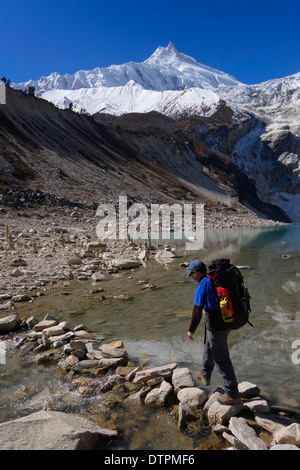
(205, 299)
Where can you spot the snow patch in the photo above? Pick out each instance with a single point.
(133, 98)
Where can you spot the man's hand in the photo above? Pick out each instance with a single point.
(190, 335)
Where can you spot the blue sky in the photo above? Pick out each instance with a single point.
(254, 41)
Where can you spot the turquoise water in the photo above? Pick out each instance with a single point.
(153, 323)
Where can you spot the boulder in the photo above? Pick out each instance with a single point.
(85, 366)
(78, 344)
(288, 435)
(193, 396)
(18, 262)
(97, 246)
(190, 419)
(113, 362)
(95, 354)
(82, 334)
(124, 371)
(72, 360)
(185, 415)
(213, 397)
(112, 353)
(220, 428)
(139, 396)
(118, 344)
(257, 404)
(79, 353)
(236, 443)
(48, 316)
(154, 381)
(111, 382)
(91, 346)
(64, 325)
(74, 261)
(8, 324)
(284, 447)
(270, 423)
(123, 263)
(31, 321)
(165, 254)
(7, 306)
(182, 378)
(245, 434)
(42, 325)
(65, 337)
(147, 374)
(158, 395)
(44, 358)
(21, 298)
(53, 331)
(51, 430)
(98, 276)
(218, 413)
(17, 273)
(248, 390)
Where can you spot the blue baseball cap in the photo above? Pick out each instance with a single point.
(196, 265)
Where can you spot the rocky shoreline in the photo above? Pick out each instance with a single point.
(98, 368)
(40, 247)
(48, 246)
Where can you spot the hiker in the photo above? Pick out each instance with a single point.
(215, 346)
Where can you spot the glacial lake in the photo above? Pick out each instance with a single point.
(153, 326)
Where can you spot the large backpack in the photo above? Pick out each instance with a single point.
(231, 292)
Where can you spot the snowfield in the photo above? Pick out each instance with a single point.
(168, 82)
(133, 98)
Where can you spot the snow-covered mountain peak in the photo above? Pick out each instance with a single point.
(168, 54)
(176, 85)
(185, 71)
(166, 69)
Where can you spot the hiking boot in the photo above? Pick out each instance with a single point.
(226, 400)
(205, 381)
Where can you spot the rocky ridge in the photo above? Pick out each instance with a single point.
(72, 157)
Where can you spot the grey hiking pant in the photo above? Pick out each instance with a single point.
(216, 353)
